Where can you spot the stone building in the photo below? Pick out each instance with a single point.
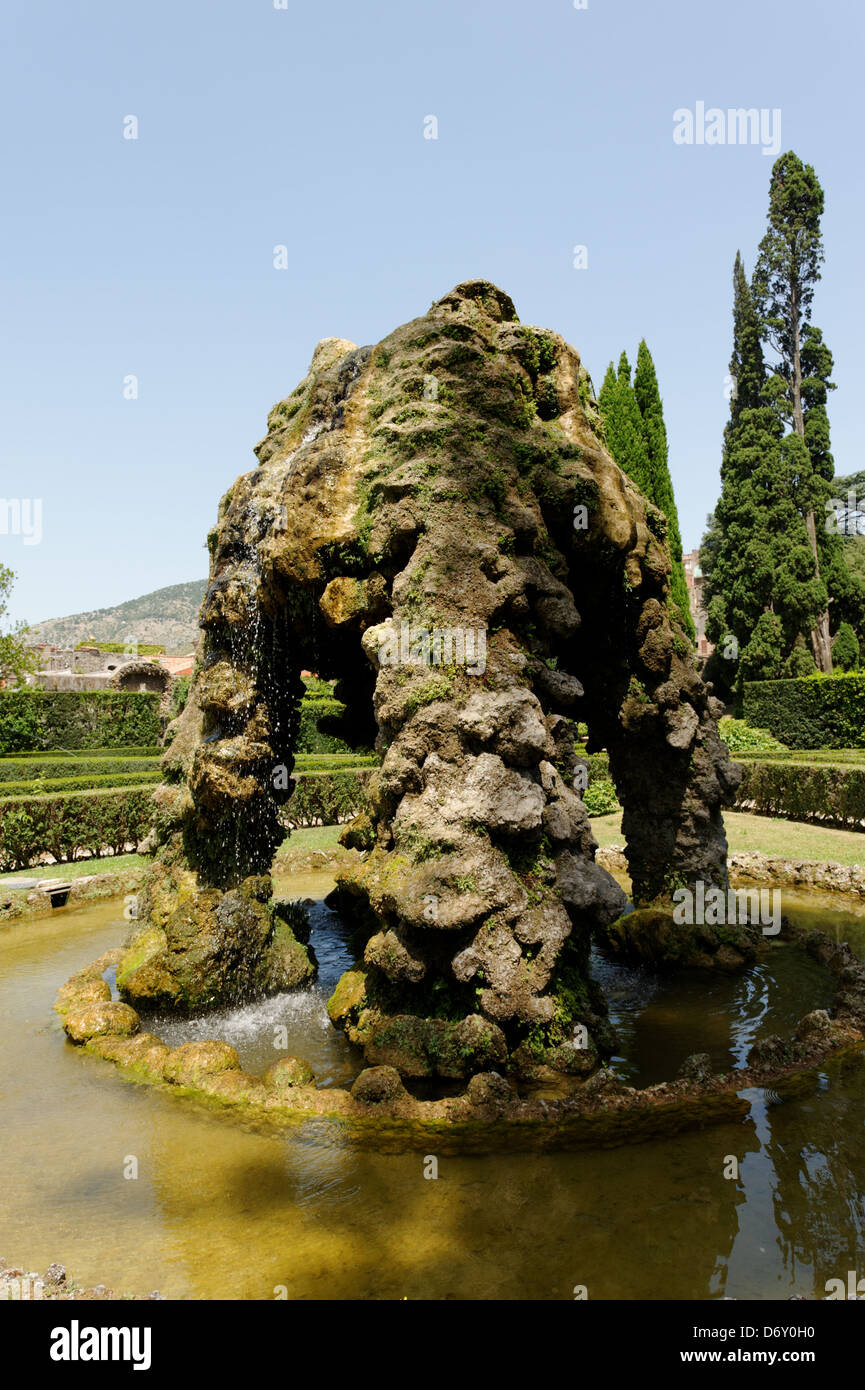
(88, 668)
(694, 580)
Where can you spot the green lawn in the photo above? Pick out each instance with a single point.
(313, 837)
(840, 757)
(790, 839)
(109, 864)
(317, 837)
(787, 838)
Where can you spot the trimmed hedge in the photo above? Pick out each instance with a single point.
(837, 757)
(334, 762)
(68, 825)
(31, 787)
(72, 719)
(804, 792)
(327, 798)
(150, 750)
(310, 738)
(40, 769)
(810, 711)
(141, 648)
(599, 763)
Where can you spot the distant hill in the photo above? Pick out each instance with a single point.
(169, 616)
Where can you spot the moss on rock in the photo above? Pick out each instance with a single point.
(190, 1063)
(410, 533)
(348, 998)
(287, 1073)
(650, 936)
(96, 1020)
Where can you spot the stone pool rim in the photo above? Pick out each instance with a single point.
(600, 1111)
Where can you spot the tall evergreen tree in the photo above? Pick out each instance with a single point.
(757, 557)
(787, 271)
(660, 484)
(747, 368)
(637, 440)
(847, 601)
(623, 424)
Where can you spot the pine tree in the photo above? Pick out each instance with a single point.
(638, 443)
(660, 485)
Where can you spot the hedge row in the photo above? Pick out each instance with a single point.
(837, 757)
(41, 720)
(311, 739)
(72, 824)
(66, 826)
(98, 770)
(37, 769)
(810, 711)
(326, 798)
(29, 787)
(144, 750)
(135, 649)
(72, 719)
(334, 762)
(599, 764)
(804, 792)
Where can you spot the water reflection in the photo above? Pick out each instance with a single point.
(220, 1211)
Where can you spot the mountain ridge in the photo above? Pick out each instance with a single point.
(168, 616)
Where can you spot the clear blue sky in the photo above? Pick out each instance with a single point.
(304, 126)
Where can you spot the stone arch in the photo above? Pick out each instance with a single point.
(410, 530)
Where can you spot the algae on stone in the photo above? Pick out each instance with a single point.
(436, 524)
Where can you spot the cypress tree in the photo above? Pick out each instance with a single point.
(623, 424)
(847, 590)
(787, 271)
(660, 486)
(758, 558)
(638, 443)
(747, 368)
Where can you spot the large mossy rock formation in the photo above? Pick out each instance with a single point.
(436, 523)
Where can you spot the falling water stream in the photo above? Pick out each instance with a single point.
(219, 1210)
